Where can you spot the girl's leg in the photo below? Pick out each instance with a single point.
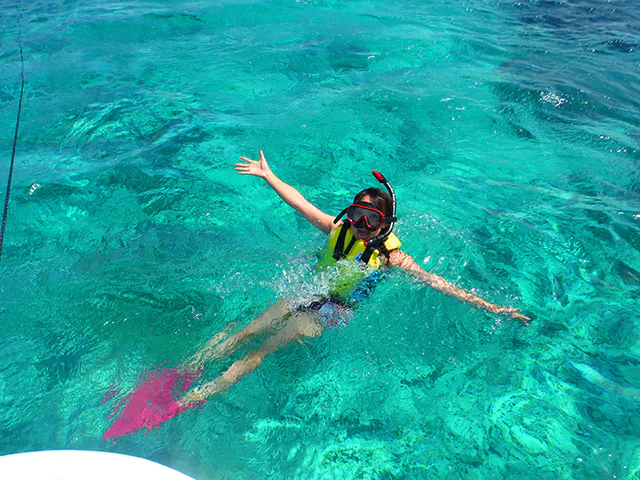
(216, 348)
(298, 326)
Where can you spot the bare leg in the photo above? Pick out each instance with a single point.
(298, 326)
(216, 348)
(195, 362)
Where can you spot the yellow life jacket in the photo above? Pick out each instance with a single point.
(342, 245)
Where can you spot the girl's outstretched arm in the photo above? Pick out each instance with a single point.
(402, 260)
(293, 198)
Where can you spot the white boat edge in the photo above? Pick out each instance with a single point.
(82, 465)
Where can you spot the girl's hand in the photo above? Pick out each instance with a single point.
(513, 313)
(253, 167)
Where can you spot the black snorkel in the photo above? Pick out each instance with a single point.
(375, 241)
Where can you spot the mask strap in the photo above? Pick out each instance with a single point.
(337, 219)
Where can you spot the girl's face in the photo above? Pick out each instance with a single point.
(363, 233)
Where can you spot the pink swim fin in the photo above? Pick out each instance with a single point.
(152, 402)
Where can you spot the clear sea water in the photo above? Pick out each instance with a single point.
(509, 130)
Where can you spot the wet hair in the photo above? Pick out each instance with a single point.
(381, 199)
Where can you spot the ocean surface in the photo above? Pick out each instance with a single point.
(510, 132)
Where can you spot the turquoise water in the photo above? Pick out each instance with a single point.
(510, 133)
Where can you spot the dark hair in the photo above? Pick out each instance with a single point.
(382, 200)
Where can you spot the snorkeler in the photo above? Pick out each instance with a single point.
(358, 248)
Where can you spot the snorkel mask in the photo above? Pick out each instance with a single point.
(366, 215)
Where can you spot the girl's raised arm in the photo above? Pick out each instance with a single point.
(290, 195)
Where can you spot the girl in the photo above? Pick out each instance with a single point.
(365, 240)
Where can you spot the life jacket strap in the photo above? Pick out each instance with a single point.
(366, 255)
(339, 251)
(380, 247)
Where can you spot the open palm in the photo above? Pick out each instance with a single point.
(253, 167)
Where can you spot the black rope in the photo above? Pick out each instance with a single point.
(15, 141)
